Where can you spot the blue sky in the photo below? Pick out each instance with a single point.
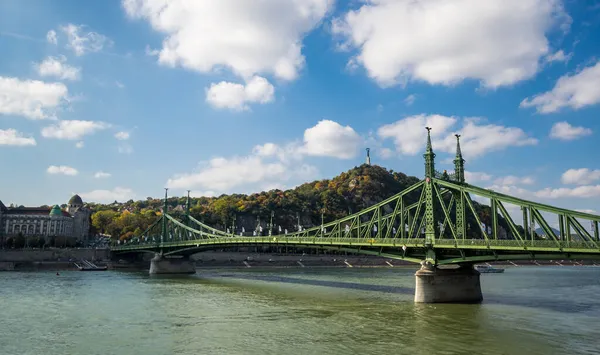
(116, 100)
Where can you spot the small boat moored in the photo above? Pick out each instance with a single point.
(488, 269)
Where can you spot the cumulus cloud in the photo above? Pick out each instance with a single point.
(82, 42)
(477, 137)
(57, 67)
(62, 169)
(514, 180)
(497, 42)
(583, 176)
(31, 99)
(271, 165)
(79, 144)
(588, 191)
(237, 96)
(73, 129)
(12, 137)
(330, 139)
(575, 91)
(564, 131)
(474, 177)
(247, 37)
(119, 194)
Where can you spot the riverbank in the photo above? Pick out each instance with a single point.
(62, 259)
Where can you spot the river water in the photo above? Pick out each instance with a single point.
(526, 310)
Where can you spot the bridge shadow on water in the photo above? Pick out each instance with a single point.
(556, 305)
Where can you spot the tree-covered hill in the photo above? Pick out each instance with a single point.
(349, 192)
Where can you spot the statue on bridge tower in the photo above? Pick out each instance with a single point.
(459, 163)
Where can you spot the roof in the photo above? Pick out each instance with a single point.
(28, 210)
(2, 207)
(56, 211)
(75, 200)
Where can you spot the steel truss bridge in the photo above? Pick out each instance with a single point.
(433, 229)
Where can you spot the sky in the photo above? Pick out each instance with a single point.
(115, 100)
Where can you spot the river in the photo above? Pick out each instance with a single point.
(526, 310)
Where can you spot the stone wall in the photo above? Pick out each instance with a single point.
(53, 255)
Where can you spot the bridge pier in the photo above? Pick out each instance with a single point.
(458, 285)
(161, 265)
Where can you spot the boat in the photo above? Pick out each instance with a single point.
(488, 269)
(89, 266)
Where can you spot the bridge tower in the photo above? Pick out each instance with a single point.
(429, 196)
(162, 264)
(459, 200)
(439, 285)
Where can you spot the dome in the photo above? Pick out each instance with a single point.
(76, 200)
(56, 211)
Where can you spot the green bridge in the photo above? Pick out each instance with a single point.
(432, 232)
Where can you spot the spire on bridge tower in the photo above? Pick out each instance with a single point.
(459, 162)
(187, 205)
(429, 157)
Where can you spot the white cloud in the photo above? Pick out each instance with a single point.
(473, 177)
(82, 43)
(120, 194)
(122, 135)
(241, 174)
(385, 153)
(564, 131)
(575, 91)
(32, 99)
(330, 139)
(73, 130)
(236, 96)
(62, 169)
(514, 180)
(409, 133)
(197, 194)
(12, 137)
(248, 37)
(498, 42)
(586, 210)
(51, 37)
(477, 138)
(119, 84)
(101, 175)
(587, 191)
(410, 99)
(55, 66)
(582, 176)
(559, 56)
(79, 144)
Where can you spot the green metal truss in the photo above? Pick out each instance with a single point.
(433, 228)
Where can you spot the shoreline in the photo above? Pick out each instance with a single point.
(297, 264)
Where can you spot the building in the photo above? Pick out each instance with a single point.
(47, 222)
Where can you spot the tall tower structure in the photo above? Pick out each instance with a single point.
(429, 200)
(459, 199)
(459, 162)
(368, 156)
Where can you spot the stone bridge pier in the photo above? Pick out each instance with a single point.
(161, 264)
(456, 285)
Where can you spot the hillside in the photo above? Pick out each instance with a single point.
(349, 192)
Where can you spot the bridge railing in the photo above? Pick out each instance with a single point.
(547, 245)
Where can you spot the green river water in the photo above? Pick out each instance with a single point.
(526, 310)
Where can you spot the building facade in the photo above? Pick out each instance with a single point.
(46, 222)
